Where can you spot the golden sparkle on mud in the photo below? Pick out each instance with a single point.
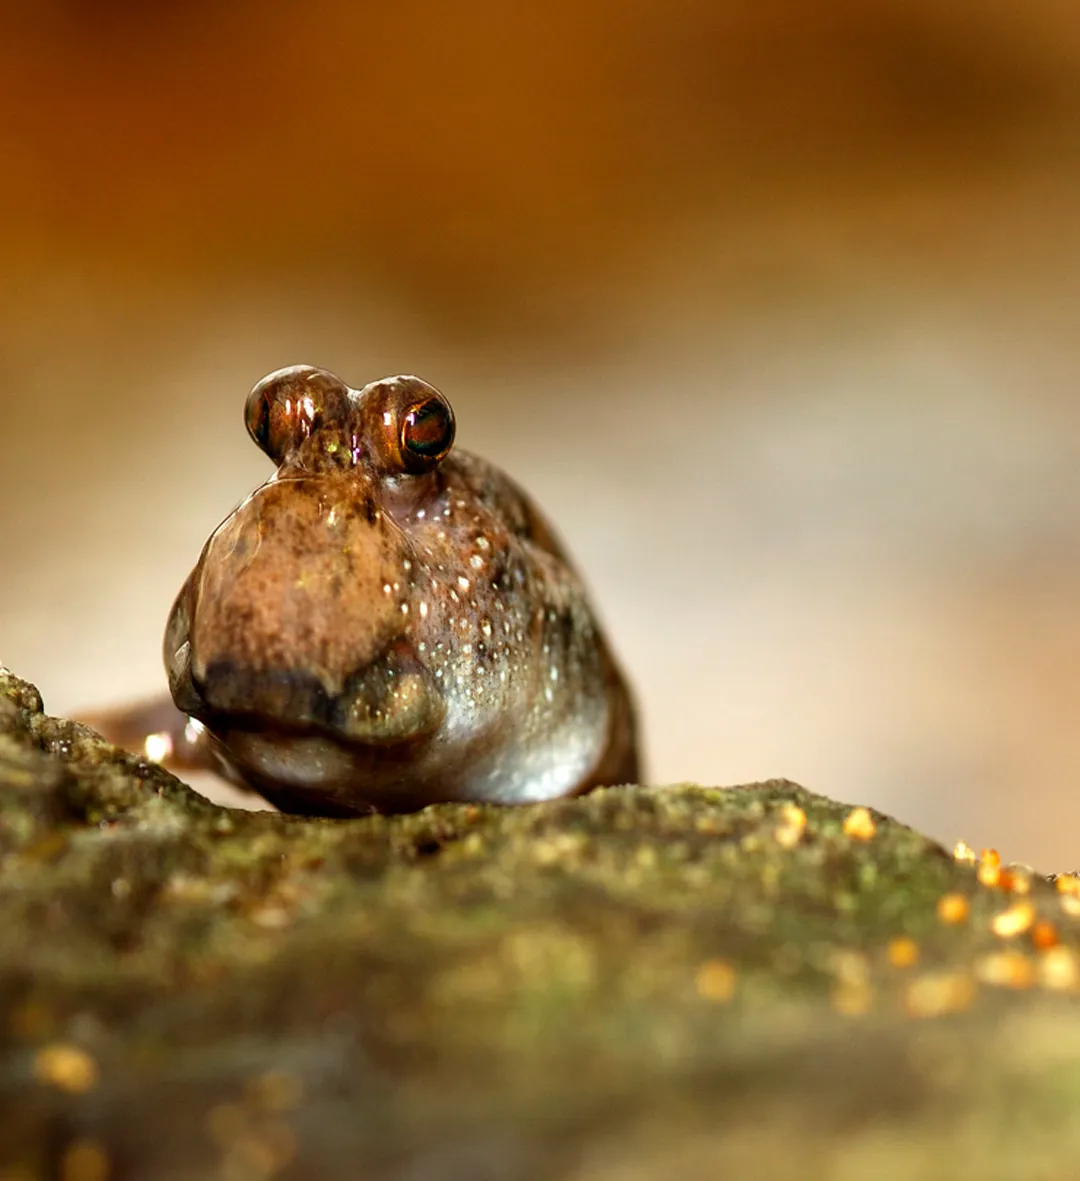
(962, 851)
(66, 1067)
(1068, 888)
(938, 993)
(1044, 935)
(715, 981)
(1059, 969)
(902, 952)
(1070, 904)
(1013, 921)
(792, 825)
(859, 825)
(1016, 879)
(953, 908)
(989, 871)
(158, 747)
(1005, 969)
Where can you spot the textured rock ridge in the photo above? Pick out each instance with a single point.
(639, 983)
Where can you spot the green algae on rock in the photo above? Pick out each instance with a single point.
(624, 985)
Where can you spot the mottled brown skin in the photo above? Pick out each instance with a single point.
(387, 622)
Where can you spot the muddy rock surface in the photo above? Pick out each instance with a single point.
(642, 983)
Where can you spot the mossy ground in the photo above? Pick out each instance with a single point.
(641, 983)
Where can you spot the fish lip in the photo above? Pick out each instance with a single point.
(223, 723)
(390, 701)
(185, 692)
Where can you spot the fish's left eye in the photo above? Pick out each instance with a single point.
(427, 434)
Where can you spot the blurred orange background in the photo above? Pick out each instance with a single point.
(773, 307)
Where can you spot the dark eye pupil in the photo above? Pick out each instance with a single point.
(259, 422)
(428, 429)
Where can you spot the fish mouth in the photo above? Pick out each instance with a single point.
(392, 699)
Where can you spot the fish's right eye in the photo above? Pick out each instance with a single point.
(289, 405)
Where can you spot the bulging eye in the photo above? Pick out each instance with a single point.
(427, 434)
(286, 406)
(268, 422)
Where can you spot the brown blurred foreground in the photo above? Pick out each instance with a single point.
(628, 985)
